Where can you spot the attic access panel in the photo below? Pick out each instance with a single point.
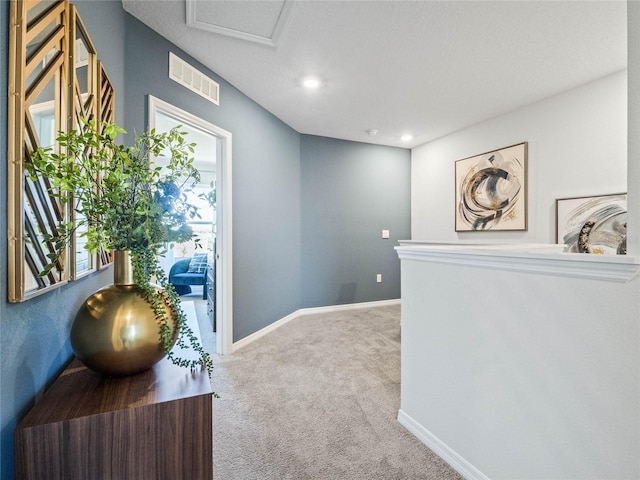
(260, 22)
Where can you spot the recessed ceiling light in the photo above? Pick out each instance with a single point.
(311, 82)
(406, 137)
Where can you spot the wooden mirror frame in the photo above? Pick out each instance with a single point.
(42, 60)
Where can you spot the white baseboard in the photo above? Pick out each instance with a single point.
(262, 332)
(348, 306)
(459, 464)
(308, 311)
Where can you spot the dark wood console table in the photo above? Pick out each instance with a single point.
(154, 425)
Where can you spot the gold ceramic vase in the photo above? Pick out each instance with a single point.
(116, 332)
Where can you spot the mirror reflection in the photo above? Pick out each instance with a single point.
(83, 107)
(51, 87)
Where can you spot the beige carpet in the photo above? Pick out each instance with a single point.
(318, 399)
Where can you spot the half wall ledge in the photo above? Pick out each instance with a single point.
(537, 258)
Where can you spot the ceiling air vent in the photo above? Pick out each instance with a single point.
(183, 73)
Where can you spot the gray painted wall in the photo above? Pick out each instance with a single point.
(278, 178)
(350, 192)
(266, 179)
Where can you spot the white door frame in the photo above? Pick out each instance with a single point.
(223, 253)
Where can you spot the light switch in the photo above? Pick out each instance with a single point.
(385, 233)
(379, 278)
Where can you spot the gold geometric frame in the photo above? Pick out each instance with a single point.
(47, 94)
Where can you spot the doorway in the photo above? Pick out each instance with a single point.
(216, 168)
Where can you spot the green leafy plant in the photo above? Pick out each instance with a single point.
(122, 202)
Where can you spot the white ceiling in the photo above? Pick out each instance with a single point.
(428, 68)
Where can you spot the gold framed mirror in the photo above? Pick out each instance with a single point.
(83, 71)
(54, 79)
(106, 111)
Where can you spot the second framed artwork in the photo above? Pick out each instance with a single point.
(491, 190)
(596, 224)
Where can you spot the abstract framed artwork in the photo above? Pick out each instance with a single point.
(596, 224)
(491, 190)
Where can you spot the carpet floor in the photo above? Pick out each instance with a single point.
(318, 399)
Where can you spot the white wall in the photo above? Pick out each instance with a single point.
(511, 375)
(577, 147)
(529, 375)
(633, 163)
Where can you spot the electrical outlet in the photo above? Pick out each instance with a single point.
(385, 233)
(379, 278)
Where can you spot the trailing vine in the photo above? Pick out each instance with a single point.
(145, 265)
